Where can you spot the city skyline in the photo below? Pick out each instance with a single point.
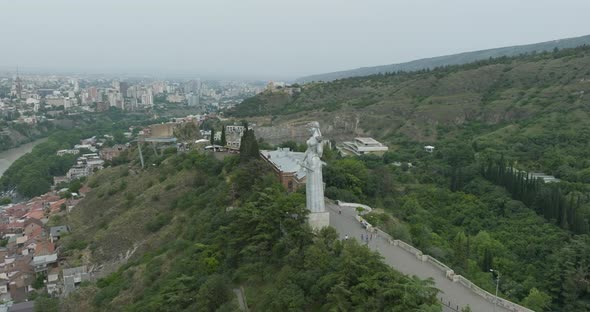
(264, 39)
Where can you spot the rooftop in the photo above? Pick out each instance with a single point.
(286, 161)
(44, 260)
(57, 231)
(362, 146)
(74, 271)
(367, 141)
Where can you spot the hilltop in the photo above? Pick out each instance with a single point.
(454, 59)
(189, 232)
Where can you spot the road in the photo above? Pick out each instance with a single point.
(403, 261)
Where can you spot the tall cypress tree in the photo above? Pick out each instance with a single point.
(249, 146)
(212, 136)
(223, 140)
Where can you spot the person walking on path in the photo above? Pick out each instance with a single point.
(362, 237)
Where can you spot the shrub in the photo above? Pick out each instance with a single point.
(5, 200)
(158, 222)
(110, 287)
(76, 244)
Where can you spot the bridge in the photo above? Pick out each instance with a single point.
(456, 291)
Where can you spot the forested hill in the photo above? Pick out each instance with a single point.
(533, 109)
(469, 203)
(197, 228)
(454, 59)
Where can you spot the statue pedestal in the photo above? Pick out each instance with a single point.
(318, 220)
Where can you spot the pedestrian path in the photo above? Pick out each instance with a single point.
(452, 294)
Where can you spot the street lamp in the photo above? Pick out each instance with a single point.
(497, 285)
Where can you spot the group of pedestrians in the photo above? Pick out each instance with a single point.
(366, 237)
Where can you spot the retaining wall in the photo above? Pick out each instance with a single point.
(353, 205)
(449, 273)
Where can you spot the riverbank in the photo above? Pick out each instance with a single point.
(10, 156)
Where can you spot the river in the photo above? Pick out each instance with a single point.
(9, 156)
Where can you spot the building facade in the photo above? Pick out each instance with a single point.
(286, 165)
(363, 146)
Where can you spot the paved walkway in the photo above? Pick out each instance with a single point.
(403, 261)
(241, 300)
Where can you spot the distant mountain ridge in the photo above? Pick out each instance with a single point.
(453, 59)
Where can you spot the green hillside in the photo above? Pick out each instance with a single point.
(454, 59)
(201, 227)
(467, 203)
(533, 109)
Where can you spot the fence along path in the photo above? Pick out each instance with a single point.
(457, 291)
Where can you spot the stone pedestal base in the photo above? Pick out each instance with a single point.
(318, 220)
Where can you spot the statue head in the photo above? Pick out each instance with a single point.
(314, 130)
(314, 126)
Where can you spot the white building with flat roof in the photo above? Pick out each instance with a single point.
(233, 136)
(67, 152)
(363, 146)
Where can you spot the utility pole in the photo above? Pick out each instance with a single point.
(497, 286)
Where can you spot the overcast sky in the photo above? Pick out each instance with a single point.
(268, 39)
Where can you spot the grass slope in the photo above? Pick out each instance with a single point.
(522, 106)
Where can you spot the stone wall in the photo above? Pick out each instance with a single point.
(276, 135)
(337, 127)
(449, 273)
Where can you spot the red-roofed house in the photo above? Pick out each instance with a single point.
(33, 227)
(44, 247)
(37, 233)
(36, 205)
(35, 214)
(16, 226)
(56, 206)
(17, 211)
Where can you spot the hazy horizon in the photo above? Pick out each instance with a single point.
(264, 39)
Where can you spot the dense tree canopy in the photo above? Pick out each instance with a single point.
(447, 205)
(263, 244)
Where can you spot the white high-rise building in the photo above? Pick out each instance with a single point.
(147, 98)
(193, 99)
(67, 103)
